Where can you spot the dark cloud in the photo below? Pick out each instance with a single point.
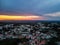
(37, 7)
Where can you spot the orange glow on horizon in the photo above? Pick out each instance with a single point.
(9, 17)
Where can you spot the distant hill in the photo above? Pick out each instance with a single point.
(28, 21)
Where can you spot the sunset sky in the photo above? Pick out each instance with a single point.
(29, 9)
(11, 17)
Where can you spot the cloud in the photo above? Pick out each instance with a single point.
(48, 8)
(30, 6)
(55, 14)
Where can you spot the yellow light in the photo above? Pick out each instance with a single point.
(9, 17)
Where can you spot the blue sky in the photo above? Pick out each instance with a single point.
(47, 8)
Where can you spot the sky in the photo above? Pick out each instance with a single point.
(43, 9)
